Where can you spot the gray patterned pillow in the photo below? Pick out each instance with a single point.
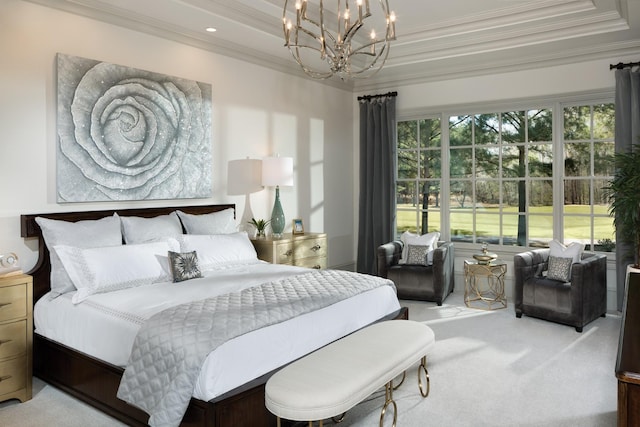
(184, 266)
(559, 268)
(417, 254)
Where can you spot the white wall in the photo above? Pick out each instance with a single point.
(256, 112)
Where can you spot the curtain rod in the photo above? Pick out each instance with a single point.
(620, 65)
(368, 97)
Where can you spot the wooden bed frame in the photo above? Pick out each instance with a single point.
(96, 382)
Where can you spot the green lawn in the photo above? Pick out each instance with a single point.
(576, 227)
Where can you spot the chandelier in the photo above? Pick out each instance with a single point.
(352, 43)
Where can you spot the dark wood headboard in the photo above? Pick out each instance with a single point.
(29, 229)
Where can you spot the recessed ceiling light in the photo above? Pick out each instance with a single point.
(210, 30)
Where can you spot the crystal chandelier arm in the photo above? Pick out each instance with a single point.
(338, 43)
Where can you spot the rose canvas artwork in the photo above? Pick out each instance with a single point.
(129, 134)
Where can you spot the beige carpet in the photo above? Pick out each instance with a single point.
(487, 369)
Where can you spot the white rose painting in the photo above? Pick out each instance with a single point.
(129, 134)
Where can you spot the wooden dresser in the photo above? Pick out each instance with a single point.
(628, 362)
(304, 250)
(16, 335)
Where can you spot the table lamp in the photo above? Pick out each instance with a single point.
(277, 171)
(244, 176)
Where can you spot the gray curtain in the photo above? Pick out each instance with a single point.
(627, 134)
(377, 178)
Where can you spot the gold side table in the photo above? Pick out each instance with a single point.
(484, 285)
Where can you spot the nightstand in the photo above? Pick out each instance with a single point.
(16, 337)
(304, 250)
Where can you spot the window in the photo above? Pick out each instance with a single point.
(497, 160)
(508, 173)
(419, 175)
(588, 166)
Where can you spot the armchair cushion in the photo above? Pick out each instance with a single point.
(418, 254)
(559, 268)
(411, 239)
(573, 250)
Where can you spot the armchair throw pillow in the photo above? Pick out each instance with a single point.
(559, 268)
(417, 254)
(408, 238)
(572, 250)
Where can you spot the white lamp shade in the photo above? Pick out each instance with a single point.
(244, 176)
(277, 171)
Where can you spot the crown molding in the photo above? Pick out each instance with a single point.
(470, 46)
(112, 15)
(419, 75)
(505, 17)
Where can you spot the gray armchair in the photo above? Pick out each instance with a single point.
(577, 303)
(418, 282)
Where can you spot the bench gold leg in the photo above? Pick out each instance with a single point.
(388, 399)
(427, 386)
(404, 375)
(339, 419)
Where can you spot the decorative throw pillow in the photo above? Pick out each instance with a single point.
(408, 238)
(81, 234)
(417, 254)
(222, 222)
(559, 268)
(137, 229)
(572, 250)
(184, 265)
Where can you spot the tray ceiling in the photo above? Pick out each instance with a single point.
(435, 39)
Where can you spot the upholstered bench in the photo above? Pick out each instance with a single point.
(332, 380)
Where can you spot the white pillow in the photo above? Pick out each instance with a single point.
(573, 250)
(221, 222)
(137, 229)
(81, 234)
(429, 239)
(219, 250)
(106, 269)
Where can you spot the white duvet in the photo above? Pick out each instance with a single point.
(105, 325)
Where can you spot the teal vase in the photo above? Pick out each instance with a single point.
(277, 216)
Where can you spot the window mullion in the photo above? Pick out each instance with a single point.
(558, 170)
(445, 162)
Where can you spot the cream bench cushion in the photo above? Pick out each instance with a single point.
(335, 378)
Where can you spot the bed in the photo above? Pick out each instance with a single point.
(96, 382)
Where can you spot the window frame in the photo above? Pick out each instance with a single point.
(556, 104)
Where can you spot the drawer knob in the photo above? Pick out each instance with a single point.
(317, 266)
(316, 248)
(288, 253)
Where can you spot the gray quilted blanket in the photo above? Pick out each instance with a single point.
(172, 345)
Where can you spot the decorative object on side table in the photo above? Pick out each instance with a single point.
(485, 257)
(9, 265)
(260, 225)
(277, 171)
(298, 227)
